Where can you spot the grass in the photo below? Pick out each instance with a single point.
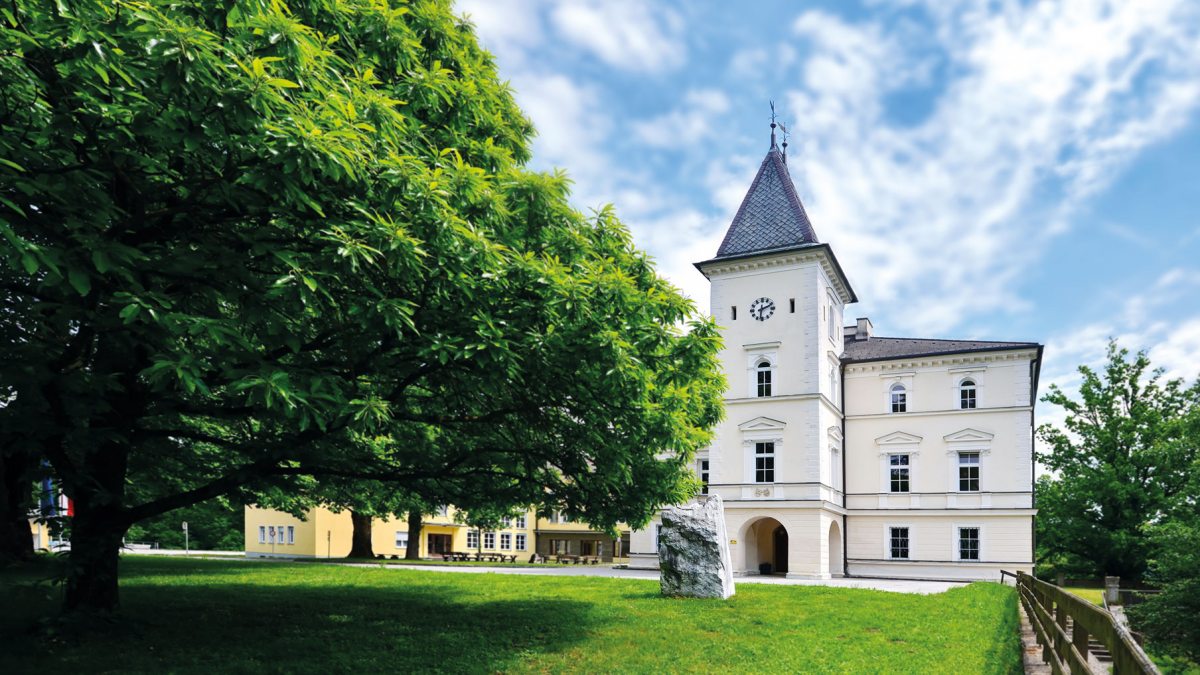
(1092, 595)
(191, 616)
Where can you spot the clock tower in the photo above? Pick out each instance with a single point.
(778, 293)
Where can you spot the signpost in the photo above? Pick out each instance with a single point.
(185, 538)
(328, 542)
(271, 534)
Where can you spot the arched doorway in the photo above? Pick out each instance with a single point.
(766, 547)
(836, 567)
(781, 549)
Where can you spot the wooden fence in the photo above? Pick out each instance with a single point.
(1064, 625)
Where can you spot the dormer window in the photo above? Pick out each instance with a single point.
(966, 395)
(763, 373)
(899, 398)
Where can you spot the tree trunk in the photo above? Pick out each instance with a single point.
(16, 490)
(360, 541)
(413, 550)
(96, 532)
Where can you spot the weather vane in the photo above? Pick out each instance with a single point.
(782, 126)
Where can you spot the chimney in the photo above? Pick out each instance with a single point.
(864, 330)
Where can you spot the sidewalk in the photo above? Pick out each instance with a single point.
(893, 585)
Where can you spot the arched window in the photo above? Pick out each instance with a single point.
(899, 398)
(763, 372)
(966, 394)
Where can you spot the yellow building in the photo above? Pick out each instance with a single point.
(556, 535)
(325, 534)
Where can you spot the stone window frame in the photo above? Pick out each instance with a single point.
(910, 541)
(755, 354)
(968, 391)
(956, 533)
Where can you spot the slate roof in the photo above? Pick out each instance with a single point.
(886, 348)
(771, 215)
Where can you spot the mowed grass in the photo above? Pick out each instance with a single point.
(236, 616)
(1092, 595)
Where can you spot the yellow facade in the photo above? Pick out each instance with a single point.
(325, 534)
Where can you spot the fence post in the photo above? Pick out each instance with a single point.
(1079, 638)
(1112, 590)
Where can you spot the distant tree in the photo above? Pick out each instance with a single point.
(1171, 619)
(1118, 463)
(215, 525)
(237, 239)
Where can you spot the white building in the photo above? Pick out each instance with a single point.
(843, 453)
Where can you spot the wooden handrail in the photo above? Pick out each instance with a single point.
(1048, 608)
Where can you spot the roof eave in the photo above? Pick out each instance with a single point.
(837, 266)
(977, 350)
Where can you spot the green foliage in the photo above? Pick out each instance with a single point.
(247, 243)
(1171, 619)
(1120, 463)
(214, 525)
(243, 616)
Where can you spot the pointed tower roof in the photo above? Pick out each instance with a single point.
(771, 215)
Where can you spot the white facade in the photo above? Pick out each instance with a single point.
(938, 487)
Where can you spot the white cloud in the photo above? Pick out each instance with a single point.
(940, 219)
(690, 123)
(632, 35)
(507, 28)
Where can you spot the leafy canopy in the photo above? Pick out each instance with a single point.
(248, 242)
(1120, 461)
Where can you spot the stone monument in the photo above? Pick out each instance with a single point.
(693, 550)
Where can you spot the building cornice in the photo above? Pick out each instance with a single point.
(769, 260)
(883, 366)
(934, 413)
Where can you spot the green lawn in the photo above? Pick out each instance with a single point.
(1092, 595)
(220, 615)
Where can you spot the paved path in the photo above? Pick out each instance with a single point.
(894, 585)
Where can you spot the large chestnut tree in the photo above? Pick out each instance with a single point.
(247, 243)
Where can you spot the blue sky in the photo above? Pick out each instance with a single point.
(998, 170)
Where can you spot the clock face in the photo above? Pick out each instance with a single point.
(762, 308)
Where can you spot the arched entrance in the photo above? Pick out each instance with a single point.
(836, 566)
(766, 547)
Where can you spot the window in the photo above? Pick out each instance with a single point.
(832, 323)
(279, 530)
(443, 511)
(966, 395)
(262, 534)
(472, 538)
(519, 522)
(899, 398)
(764, 378)
(764, 462)
(559, 547)
(792, 305)
(968, 543)
(520, 542)
(291, 534)
(489, 540)
(402, 540)
(704, 476)
(968, 472)
(505, 541)
(734, 312)
(657, 532)
(899, 472)
(898, 543)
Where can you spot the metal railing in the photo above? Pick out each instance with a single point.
(1065, 624)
